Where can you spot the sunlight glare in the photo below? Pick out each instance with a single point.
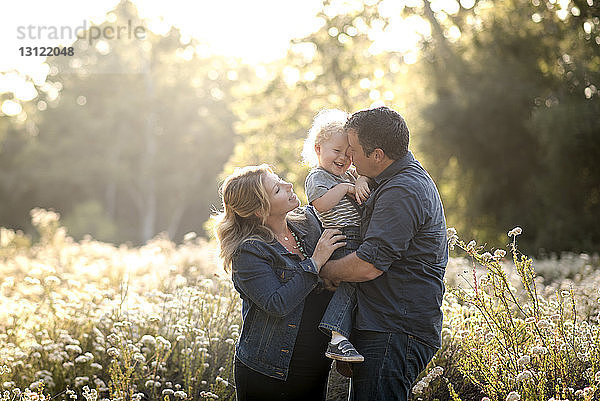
(26, 92)
(11, 108)
(467, 4)
(291, 76)
(390, 8)
(411, 57)
(453, 34)
(306, 50)
(360, 24)
(562, 14)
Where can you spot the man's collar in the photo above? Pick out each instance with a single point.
(394, 168)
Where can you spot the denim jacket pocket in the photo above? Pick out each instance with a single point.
(283, 272)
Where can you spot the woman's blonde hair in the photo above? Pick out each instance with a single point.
(326, 123)
(246, 207)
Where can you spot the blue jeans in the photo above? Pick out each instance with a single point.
(338, 315)
(392, 363)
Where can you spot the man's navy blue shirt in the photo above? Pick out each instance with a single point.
(404, 235)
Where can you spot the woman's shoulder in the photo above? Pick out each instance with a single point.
(252, 243)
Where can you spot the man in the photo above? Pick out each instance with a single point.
(400, 264)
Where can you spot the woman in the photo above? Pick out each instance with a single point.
(275, 256)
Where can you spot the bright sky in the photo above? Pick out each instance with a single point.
(256, 31)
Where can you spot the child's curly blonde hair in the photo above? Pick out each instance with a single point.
(325, 124)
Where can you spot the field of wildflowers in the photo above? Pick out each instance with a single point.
(94, 321)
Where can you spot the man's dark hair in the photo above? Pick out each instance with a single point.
(381, 128)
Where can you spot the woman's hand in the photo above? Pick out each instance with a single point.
(330, 240)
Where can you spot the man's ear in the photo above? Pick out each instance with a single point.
(378, 155)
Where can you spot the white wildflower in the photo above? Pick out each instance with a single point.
(499, 254)
(73, 349)
(114, 339)
(81, 359)
(113, 352)
(515, 231)
(524, 375)
(513, 396)
(471, 246)
(81, 380)
(524, 360)
(148, 340)
(544, 324)
(437, 371)
(163, 342)
(539, 350)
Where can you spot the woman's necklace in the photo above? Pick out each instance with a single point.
(296, 245)
(299, 245)
(286, 238)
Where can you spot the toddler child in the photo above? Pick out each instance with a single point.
(334, 190)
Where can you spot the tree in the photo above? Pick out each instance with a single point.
(509, 102)
(140, 127)
(333, 67)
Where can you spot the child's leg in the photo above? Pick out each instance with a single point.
(338, 315)
(338, 320)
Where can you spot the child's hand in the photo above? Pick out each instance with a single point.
(361, 189)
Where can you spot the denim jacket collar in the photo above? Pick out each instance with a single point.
(394, 168)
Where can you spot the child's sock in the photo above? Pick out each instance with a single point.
(337, 337)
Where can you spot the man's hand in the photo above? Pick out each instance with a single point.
(361, 189)
(330, 285)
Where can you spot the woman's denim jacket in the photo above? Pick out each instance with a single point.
(273, 284)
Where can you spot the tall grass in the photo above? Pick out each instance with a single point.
(94, 321)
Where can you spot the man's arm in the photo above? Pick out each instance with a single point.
(350, 268)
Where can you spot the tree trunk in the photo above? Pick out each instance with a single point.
(147, 173)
